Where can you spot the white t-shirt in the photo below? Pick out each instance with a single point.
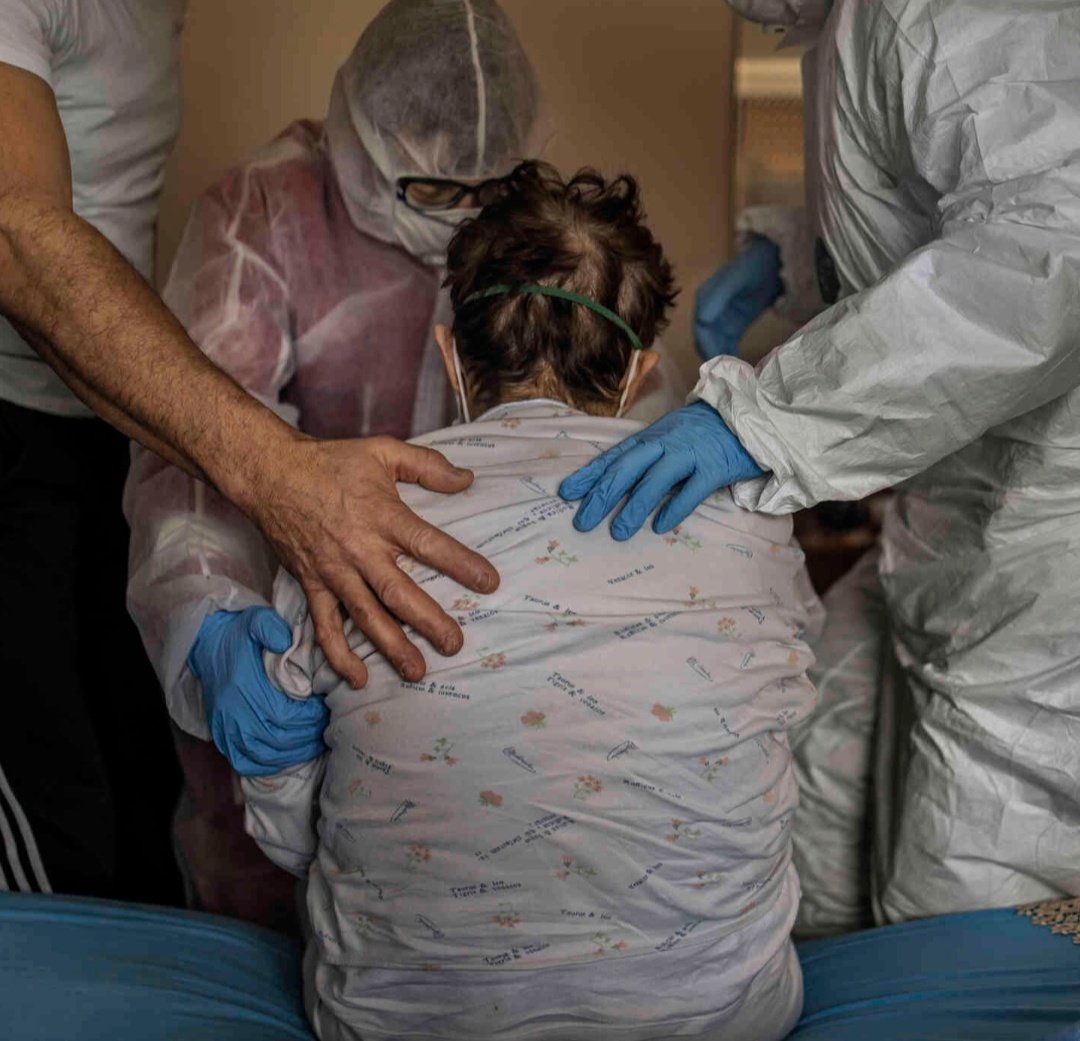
(114, 68)
(579, 826)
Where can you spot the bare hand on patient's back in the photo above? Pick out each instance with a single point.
(334, 517)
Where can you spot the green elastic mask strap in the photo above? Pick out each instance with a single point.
(559, 294)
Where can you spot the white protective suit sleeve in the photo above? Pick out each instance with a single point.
(280, 811)
(971, 329)
(832, 756)
(192, 552)
(279, 814)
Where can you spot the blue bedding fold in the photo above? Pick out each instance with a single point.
(92, 970)
(984, 976)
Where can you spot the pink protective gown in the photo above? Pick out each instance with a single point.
(331, 328)
(303, 276)
(325, 324)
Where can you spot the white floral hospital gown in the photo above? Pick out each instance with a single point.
(580, 826)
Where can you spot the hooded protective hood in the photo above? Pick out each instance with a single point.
(433, 88)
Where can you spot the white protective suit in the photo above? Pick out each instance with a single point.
(578, 827)
(944, 184)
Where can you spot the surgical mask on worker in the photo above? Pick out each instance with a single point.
(426, 235)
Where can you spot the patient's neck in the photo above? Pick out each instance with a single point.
(522, 394)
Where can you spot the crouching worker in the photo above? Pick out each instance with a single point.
(578, 827)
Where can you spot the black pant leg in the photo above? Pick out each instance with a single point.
(53, 769)
(125, 702)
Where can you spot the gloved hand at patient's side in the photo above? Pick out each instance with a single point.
(692, 445)
(255, 726)
(731, 299)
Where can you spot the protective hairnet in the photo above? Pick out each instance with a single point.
(433, 88)
(947, 197)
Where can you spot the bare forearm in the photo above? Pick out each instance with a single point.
(107, 334)
(330, 510)
(104, 408)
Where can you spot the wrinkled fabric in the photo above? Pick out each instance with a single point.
(224, 870)
(947, 197)
(596, 792)
(832, 753)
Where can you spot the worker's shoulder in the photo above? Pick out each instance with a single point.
(941, 34)
(291, 165)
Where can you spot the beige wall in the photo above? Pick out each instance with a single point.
(635, 85)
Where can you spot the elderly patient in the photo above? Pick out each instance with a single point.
(579, 827)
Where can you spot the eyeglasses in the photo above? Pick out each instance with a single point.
(437, 194)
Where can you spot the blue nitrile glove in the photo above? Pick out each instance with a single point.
(739, 292)
(256, 727)
(691, 444)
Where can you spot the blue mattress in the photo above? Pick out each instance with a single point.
(981, 976)
(90, 970)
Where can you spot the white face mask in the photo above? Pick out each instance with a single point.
(426, 236)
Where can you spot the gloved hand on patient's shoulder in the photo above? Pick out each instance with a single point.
(259, 729)
(691, 452)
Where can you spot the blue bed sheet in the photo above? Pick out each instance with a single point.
(91, 970)
(981, 976)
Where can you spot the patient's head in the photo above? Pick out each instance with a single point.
(584, 235)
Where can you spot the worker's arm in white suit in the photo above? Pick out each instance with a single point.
(192, 551)
(976, 327)
(279, 814)
(282, 810)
